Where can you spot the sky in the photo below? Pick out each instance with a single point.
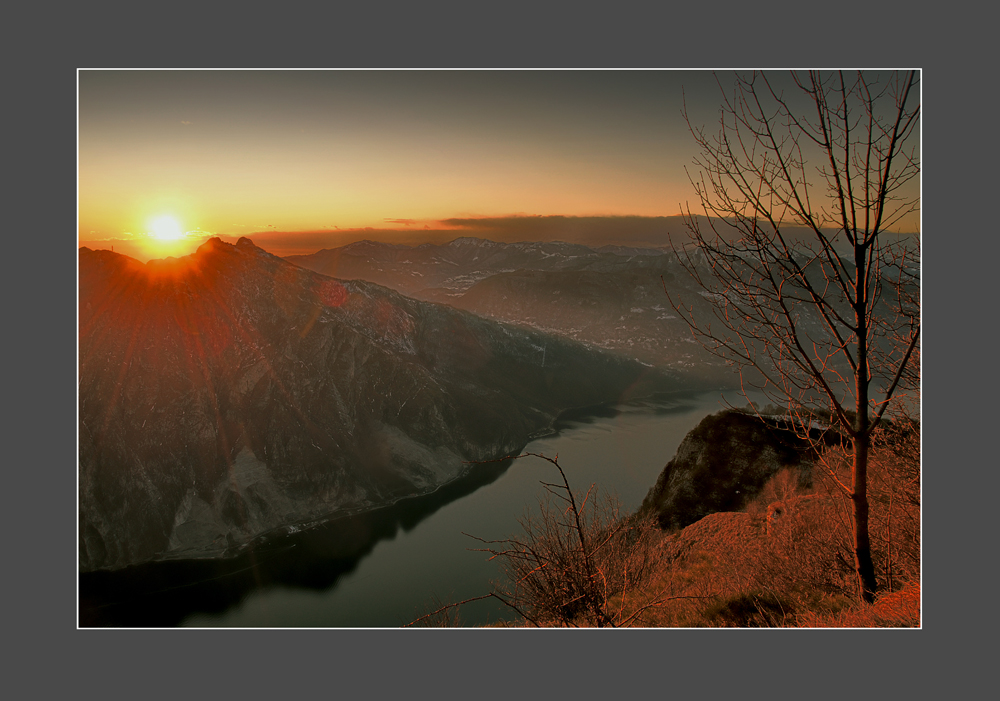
(304, 160)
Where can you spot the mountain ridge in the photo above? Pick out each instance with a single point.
(610, 298)
(230, 392)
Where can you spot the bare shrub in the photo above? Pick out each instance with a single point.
(894, 496)
(443, 616)
(900, 609)
(783, 485)
(576, 563)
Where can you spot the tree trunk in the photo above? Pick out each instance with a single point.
(862, 436)
(862, 545)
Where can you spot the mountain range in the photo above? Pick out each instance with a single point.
(230, 393)
(611, 297)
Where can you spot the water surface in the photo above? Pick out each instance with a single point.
(421, 555)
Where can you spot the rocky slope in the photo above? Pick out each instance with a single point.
(229, 393)
(722, 464)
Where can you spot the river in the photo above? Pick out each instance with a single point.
(390, 566)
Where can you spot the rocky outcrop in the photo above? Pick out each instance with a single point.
(230, 392)
(721, 465)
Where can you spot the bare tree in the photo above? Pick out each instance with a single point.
(812, 296)
(577, 562)
(573, 559)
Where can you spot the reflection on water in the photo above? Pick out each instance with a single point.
(389, 566)
(164, 593)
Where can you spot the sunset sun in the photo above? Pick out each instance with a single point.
(166, 229)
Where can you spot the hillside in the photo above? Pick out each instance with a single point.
(230, 393)
(764, 540)
(778, 550)
(610, 297)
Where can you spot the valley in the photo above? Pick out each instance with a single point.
(322, 314)
(609, 297)
(256, 435)
(229, 393)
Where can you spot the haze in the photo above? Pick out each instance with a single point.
(304, 160)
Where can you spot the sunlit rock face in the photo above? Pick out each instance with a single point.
(230, 392)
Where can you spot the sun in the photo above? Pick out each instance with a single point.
(166, 228)
(165, 236)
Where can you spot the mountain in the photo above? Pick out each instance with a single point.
(230, 393)
(624, 311)
(611, 298)
(438, 272)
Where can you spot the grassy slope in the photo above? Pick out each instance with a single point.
(784, 560)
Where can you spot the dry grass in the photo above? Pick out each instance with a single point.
(785, 561)
(900, 609)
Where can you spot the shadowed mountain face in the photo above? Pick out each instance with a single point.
(230, 393)
(723, 463)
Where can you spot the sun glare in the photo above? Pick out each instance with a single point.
(166, 229)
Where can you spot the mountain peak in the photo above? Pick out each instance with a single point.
(367, 245)
(206, 368)
(213, 244)
(471, 241)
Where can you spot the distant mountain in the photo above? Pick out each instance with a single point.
(612, 297)
(438, 272)
(623, 311)
(229, 393)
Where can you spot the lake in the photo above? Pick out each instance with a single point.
(388, 567)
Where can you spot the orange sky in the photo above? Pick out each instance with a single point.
(235, 153)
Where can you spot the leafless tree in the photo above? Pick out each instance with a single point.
(577, 562)
(812, 296)
(573, 559)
